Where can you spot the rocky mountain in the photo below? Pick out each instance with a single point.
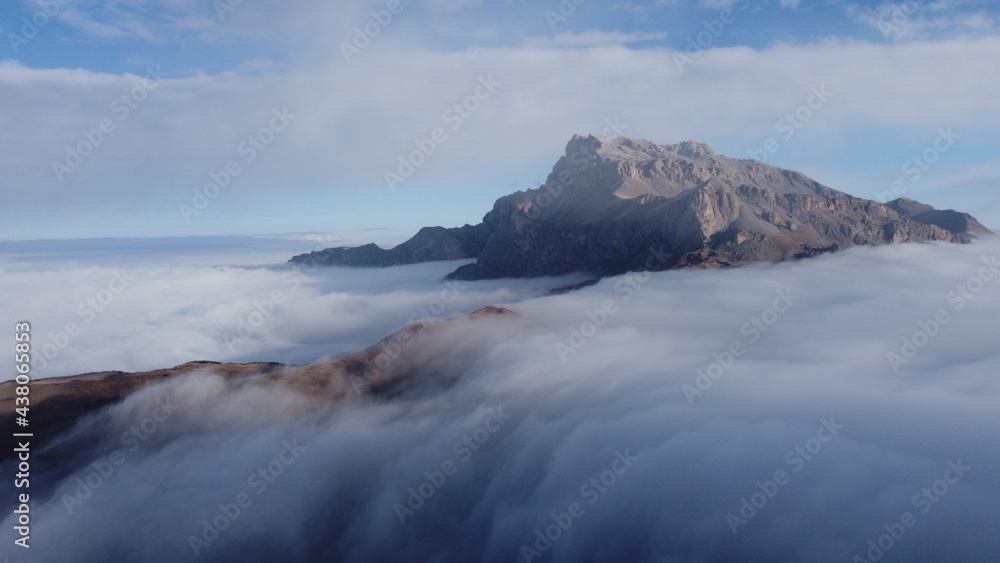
(947, 219)
(615, 205)
(429, 244)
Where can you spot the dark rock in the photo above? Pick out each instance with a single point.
(429, 244)
(947, 219)
(573, 287)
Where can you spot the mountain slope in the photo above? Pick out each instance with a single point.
(394, 360)
(948, 219)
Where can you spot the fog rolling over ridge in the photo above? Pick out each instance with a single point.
(642, 281)
(840, 408)
(140, 309)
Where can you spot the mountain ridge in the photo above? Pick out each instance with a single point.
(382, 369)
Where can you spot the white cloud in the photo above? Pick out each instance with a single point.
(592, 39)
(355, 120)
(909, 21)
(142, 298)
(644, 11)
(622, 390)
(373, 109)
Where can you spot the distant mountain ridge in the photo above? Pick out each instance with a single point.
(611, 204)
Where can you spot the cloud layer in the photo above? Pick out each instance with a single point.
(747, 414)
(352, 122)
(153, 304)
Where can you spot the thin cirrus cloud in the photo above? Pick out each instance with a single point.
(593, 39)
(813, 394)
(907, 21)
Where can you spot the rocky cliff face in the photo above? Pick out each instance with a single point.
(611, 206)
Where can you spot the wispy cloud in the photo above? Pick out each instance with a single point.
(907, 21)
(593, 39)
(190, 125)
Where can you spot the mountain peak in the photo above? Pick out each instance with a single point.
(693, 149)
(631, 149)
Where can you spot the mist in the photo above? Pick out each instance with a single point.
(839, 408)
(142, 304)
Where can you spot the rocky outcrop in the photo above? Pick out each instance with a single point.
(947, 219)
(611, 206)
(429, 244)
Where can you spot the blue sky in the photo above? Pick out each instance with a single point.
(183, 86)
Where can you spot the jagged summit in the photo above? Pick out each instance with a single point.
(632, 168)
(612, 205)
(627, 148)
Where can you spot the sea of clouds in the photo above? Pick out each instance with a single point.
(840, 408)
(143, 304)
